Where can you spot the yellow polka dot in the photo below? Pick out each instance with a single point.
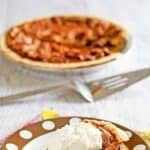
(48, 114)
(145, 136)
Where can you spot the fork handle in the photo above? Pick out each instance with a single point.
(19, 96)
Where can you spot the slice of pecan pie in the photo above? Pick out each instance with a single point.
(63, 42)
(113, 137)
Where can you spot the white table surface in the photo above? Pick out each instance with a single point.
(130, 107)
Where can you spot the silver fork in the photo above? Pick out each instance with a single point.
(90, 91)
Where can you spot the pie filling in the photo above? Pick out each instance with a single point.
(109, 139)
(65, 39)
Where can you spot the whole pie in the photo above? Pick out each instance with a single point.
(62, 42)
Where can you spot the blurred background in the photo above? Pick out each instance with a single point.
(127, 107)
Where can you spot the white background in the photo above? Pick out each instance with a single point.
(130, 107)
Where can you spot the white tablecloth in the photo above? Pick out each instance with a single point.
(130, 107)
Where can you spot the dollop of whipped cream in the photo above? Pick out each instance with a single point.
(80, 136)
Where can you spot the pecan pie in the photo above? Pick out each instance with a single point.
(113, 137)
(60, 41)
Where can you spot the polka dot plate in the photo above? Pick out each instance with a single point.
(36, 136)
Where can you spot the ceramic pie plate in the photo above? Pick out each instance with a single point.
(36, 136)
(63, 66)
